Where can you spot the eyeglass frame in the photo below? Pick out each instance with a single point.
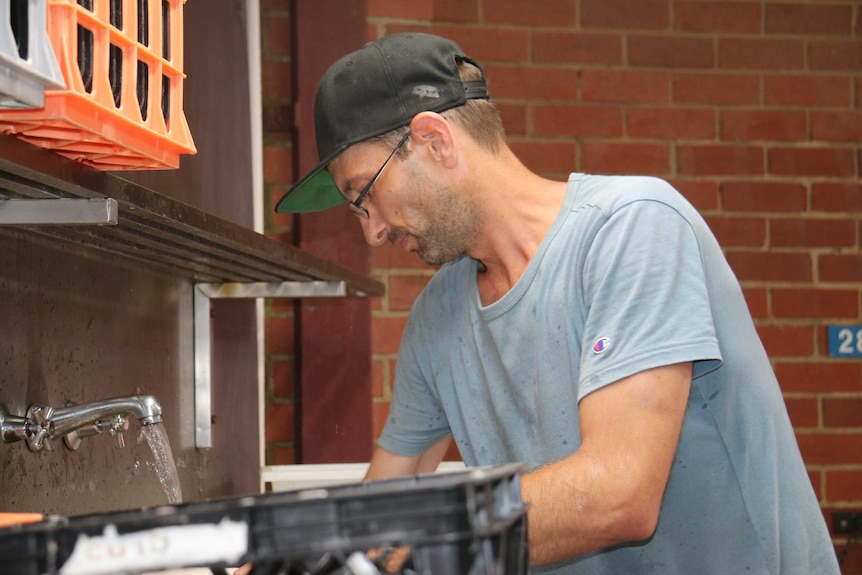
(356, 205)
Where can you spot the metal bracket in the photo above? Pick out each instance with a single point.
(59, 211)
(203, 293)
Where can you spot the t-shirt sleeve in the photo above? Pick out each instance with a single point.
(646, 297)
(416, 419)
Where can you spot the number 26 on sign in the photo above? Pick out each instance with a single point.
(845, 340)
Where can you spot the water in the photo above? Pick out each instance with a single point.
(164, 466)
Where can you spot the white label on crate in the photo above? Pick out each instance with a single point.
(159, 548)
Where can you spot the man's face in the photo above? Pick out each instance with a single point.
(410, 204)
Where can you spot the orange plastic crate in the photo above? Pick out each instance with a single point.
(122, 109)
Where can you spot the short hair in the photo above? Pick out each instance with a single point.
(478, 117)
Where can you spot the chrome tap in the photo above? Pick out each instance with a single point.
(42, 424)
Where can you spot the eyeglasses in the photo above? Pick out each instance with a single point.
(356, 205)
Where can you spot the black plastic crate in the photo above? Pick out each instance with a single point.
(471, 522)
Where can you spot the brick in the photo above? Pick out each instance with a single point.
(277, 36)
(716, 89)
(378, 376)
(758, 302)
(379, 304)
(671, 123)
(514, 117)
(277, 119)
(717, 16)
(279, 222)
(808, 19)
(803, 411)
(816, 479)
(284, 379)
(627, 14)
(763, 197)
(276, 80)
(488, 44)
(625, 158)
(278, 455)
(577, 121)
(829, 197)
(853, 561)
(836, 126)
(840, 268)
(843, 485)
(703, 194)
(786, 341)
(415, 9)
(388, 256)
(278, 164)
(279, 336)
(547, 158)
(534, 13)
(280, 422)
(518, 82)
(801, 162)
(770, 266)
(835, 54)
(283, 306)
(670, 51)
(386, 333)
(625, 86)
(810, 233)
(819, 377)
(842, 412)
(379, 413)
(577, 48)
(456, 10)
(403, 290)
(766, 125)
(830, 448)
(737, 232)
(720, 160)
(761, 54)
(808, 91)
(815, 303)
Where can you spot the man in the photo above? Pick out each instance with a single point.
(590, 328)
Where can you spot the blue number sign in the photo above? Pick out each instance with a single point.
(845, 340)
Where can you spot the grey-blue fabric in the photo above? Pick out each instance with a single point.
(629, 278)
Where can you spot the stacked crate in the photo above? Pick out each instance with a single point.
(121, 108)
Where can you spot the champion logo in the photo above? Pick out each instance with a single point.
(424, 91)
(601, 345)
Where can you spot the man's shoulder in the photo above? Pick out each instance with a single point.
(613, 193)
(625, 189)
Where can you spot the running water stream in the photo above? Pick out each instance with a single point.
(165, 468)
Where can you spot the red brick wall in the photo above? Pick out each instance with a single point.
(752, 108)
(278, 164)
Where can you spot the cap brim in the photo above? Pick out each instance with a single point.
(316, 191)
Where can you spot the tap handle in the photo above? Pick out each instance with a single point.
(116, 426)
(39, 427)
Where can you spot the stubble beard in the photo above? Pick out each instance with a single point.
(445, 222)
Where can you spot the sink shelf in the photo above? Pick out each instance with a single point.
(156, 231)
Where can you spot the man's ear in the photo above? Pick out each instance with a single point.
(432, 130)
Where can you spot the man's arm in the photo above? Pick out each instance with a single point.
(385, 464)
(610, 490)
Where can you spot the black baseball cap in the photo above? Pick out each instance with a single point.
(374, 90)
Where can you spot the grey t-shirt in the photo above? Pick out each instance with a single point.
(628, 278)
